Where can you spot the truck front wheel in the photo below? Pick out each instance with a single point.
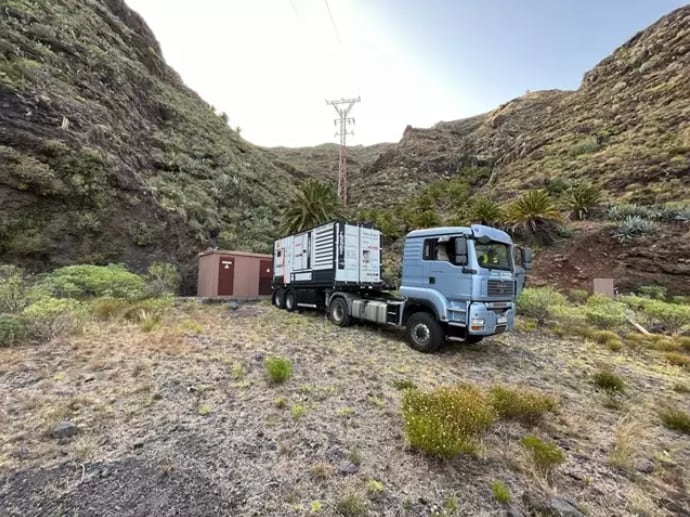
(338, 312)
(424, 333)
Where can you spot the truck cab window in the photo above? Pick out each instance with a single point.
(435, 250)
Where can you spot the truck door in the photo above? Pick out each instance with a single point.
(520, 272)
(443, 275)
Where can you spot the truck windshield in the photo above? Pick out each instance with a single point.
(494, 255)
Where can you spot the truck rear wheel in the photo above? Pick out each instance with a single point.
(424, 333)
(291, 300)
(279, 298)
(338, 312)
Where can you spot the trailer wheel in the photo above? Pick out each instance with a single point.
(291, 300)
(338, 312)
(279, 298)
(424, 333)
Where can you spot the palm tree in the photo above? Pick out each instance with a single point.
(533, 215)
(314, 203)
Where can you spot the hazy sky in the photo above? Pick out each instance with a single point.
(270, 64)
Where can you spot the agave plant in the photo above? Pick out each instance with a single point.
(533, 215)
(582, 199)
(314, 203)
(633, 227)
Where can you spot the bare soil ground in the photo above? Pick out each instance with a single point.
(183, 421)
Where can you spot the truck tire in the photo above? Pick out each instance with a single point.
(291, 300)
(279, 298)
(424, 333)
(338, 312)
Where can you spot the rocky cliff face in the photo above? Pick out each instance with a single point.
(105, 155)
(627, 129)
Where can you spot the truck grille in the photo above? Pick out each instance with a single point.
(500, 288)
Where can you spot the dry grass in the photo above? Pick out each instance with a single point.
(123, 386)
(631, 432)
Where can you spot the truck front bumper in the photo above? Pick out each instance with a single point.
(489, 318)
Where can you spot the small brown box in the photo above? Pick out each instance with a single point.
(234, 274)
(604, 286)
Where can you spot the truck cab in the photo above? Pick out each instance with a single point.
(466, 278)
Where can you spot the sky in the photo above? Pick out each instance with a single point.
(271, 64)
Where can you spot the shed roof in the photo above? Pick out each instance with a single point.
(234, 253)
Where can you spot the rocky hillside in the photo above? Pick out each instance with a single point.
(627, 129)
(105, 155)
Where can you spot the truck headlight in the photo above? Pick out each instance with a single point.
(476, 324)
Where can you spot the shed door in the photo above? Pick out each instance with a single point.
(265, 277)
(226, 276)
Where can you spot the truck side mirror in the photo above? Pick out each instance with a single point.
(461, 251)
(527, 258)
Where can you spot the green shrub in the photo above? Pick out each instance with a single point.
(351, 505)
(525, 405)
(278, 369)
(12, 289)
(571, 319)
(657, 292)
(582, 199)
(546, 456)
(375, 487)
(87, 281)
(578, 296)
(633, 227)
(539, 302)
(589, 145)
(608, 380)
(534, 216)
(12, 330)
(163, 279)
(676, 419)
(51, 317)
(605, 312)
(448, 420)
(500, 491)
(298, 411)
(672, 317)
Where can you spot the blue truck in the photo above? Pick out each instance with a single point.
(459, 283)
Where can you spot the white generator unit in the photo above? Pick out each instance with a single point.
(333, 255)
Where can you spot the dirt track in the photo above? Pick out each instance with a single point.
(182, 421)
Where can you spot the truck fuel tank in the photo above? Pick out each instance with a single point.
(370, 310)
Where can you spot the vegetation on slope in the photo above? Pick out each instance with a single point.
(106, 156)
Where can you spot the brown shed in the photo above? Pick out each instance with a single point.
(235, 274)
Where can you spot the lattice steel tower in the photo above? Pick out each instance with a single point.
(343, 107)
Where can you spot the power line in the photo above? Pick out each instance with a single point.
(343, 120)
(335, 27)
